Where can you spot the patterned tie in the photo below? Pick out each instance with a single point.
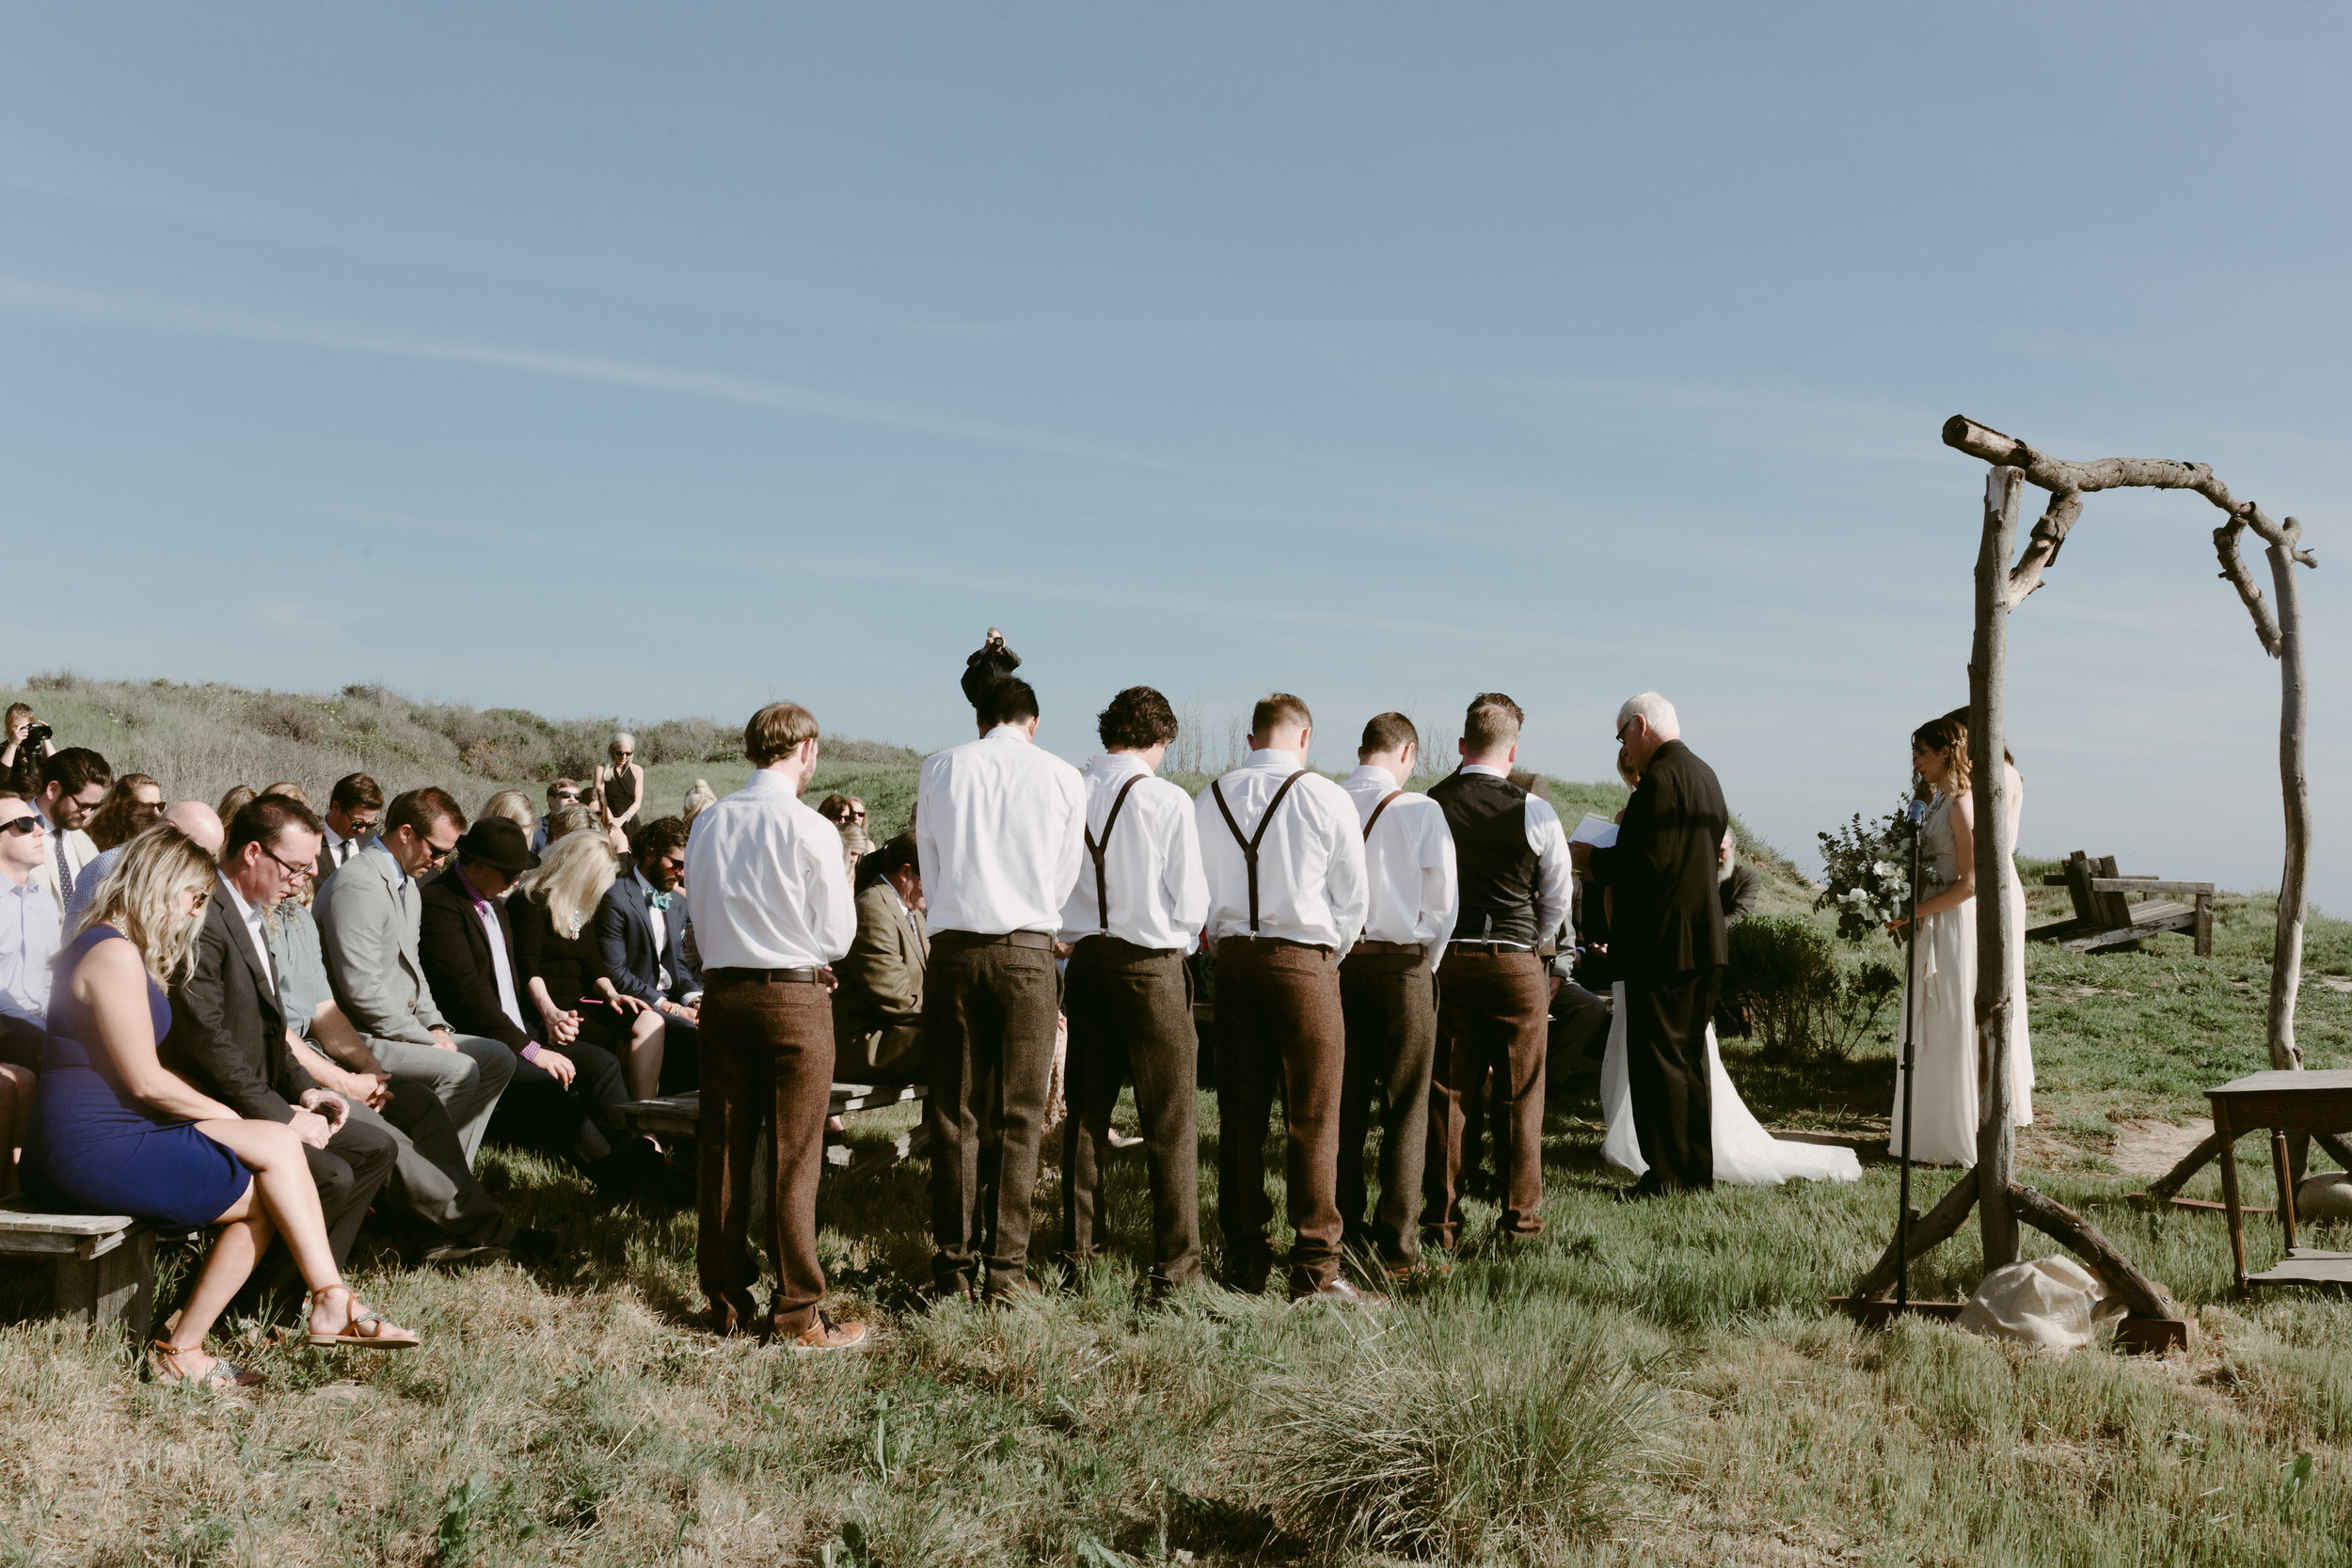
(65, 873)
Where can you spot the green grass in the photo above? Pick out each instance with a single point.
(1670, 1368)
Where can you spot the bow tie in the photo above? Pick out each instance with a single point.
(658, 900)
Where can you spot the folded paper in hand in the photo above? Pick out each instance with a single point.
(1599, 832)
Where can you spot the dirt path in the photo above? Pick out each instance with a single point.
(2149, 1148)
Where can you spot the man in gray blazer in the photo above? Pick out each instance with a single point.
(368, 914)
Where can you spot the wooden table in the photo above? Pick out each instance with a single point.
(2285, 1102)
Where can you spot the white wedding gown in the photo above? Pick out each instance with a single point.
(1945, 1100)
(1745, 1155)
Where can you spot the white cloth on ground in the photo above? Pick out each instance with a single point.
(2052, 1302)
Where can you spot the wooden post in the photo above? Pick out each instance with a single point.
(1997, 1139)
(2286, 951)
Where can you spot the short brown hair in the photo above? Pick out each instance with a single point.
(260, 819)
(419, 809)
(1137, 718)
(1388, 732)
(1278, 707)
(777, 731)
(1949, 732)
(1492, 723)
(658, 837)
(355, 792)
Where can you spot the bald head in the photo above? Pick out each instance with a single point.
(200, 822)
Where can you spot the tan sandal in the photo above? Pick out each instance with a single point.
(387, 1334)
(219, 1378)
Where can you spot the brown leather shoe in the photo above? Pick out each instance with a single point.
(1342, 1292)
(825, 1334)
(1399, 1273)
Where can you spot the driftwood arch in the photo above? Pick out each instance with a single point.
(2001, 585)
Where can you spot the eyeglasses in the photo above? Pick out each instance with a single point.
(289, 867)
(25, 824)
(564, 796)
(1622, 728)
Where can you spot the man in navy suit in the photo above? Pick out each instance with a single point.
(642, 932)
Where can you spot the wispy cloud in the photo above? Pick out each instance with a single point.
(31, 297)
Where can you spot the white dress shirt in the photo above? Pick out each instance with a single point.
(999, 827)
(769, 889)
(1408, 862)
(254, 929)
(1311, 863)
(1555, 880)
(339, 848)
(1152, 863)
(503, 972)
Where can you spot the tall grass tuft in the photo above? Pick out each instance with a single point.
(1412, 1443)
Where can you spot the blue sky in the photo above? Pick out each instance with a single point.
(599, 360)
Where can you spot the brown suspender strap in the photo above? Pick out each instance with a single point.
(1249, 844)
(1373, 820)
(1102, 884)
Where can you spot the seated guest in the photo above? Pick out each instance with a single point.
(701, 795)
(133, 805)
(553, 913)
(617, 788)
(353, 809)
(115, 1131)
(847, 814)
(235, 801)
(561, 1101)
(292, 791)
(25, 745)
(514, 805)
(369, 915)
(228, 1032)
(561, 793)
(192, 817)
(431, 1178)
(30, 935)
(73, 781)
(877, 1009)
(640, 934)
(1737, 884)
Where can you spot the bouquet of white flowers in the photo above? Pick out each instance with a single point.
(1868, 881)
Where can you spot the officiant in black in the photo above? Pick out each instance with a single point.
(1666, 940)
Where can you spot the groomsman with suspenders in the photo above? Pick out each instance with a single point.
(1492, 993)
(1131, 922)
(1387, 989)
(1000, 828)
(1284, 853)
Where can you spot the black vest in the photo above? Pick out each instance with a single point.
(1499, 872)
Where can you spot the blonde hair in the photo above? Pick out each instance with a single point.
(571, 879)
(140, 897)
(622, 741)
(697, 798)
(514, 806)
(290, 790)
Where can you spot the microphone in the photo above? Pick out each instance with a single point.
(1916, 812)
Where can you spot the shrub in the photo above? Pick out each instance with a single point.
(1786, 979)
(1407, 1446)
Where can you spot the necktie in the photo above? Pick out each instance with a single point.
(65, 873)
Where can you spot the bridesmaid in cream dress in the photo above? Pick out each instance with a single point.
(1945, 1099)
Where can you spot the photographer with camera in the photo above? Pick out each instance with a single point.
(29, 744)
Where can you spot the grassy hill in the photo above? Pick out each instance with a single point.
(1642, 1383)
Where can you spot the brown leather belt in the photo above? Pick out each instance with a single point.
(764, 977)
(1276, 941)
(1368, 945)
(982, 939)
(1489, 947)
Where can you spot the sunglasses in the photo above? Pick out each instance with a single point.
(435, 854)
(21, 825)
(564, 795)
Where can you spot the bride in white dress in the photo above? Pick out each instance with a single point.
(1943, 1097)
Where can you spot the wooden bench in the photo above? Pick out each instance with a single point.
(675, 1117)
(105, 1263)
(2106, 918)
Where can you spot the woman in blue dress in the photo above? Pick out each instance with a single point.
(115, 1131)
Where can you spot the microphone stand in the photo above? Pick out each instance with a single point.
(1911, 1009)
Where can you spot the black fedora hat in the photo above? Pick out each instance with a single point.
(498, 843)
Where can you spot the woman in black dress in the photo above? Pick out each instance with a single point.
(554, 910)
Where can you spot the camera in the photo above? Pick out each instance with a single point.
(37, 732)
